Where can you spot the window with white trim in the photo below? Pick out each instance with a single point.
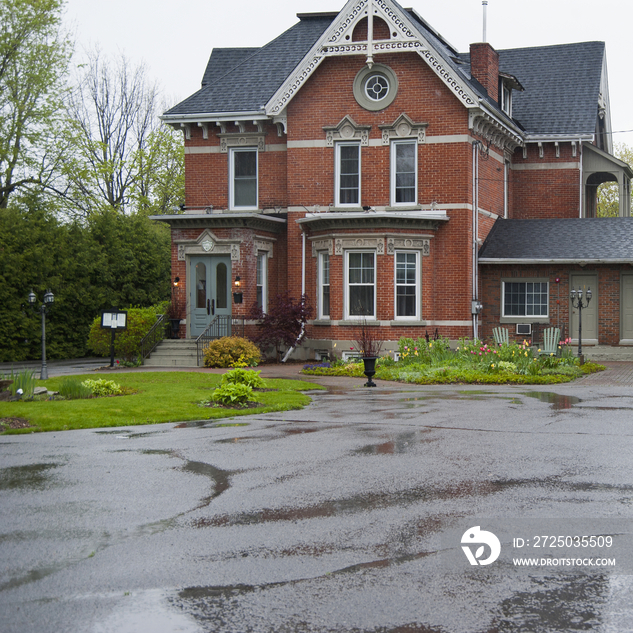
(404, 181)
(525, 298)
(262, 281)
(506, 98)
(324, 285)
(243, 178)
(407, 283)
(360, 284)
(347, 174)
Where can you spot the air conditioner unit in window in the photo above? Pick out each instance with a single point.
(524, 328)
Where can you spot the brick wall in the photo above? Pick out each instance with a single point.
(559, 316)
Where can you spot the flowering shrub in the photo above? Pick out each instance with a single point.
(231, 351)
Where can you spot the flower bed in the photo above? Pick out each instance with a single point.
(433, 362)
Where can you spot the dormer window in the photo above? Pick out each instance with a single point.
(507, 83)
(506, 98)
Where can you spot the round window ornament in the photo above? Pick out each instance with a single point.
(375, 88)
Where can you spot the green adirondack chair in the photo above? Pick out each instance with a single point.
(551, 339)
(500, 335)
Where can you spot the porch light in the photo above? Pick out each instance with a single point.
(238, 281)
(176, 282)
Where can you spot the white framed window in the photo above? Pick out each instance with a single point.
(262, 281)
(243, 192)
(404, 172)
(407, 286)
(506, 98)
(347, 174)
(360, 284)
(323, 301)
(525, 298)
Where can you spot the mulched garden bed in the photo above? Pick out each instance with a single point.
(15, 423)
(247, 405)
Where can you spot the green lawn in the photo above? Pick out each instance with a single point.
(159, 397)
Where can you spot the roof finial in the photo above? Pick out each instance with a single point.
(485, 6)
(370, 34)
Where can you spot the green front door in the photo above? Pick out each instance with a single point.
(210, 287)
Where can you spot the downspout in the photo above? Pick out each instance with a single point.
(582, 178)
(303, 292)
(475, 234)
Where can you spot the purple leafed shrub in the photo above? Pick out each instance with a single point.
(284, 324)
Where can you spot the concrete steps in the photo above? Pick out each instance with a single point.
(174, 353)
(604, 352)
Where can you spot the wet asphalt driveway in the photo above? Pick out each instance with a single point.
(346, 516)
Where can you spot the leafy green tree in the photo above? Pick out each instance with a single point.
(110, 260)
(34, 56)
(609, 192)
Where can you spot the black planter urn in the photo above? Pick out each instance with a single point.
(370, 369)
(175, 326)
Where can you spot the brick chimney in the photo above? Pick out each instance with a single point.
(484, 67)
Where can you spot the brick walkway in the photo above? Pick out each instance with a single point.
(617, 374)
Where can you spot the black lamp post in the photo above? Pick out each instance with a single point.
(577, 302)
(48, 301)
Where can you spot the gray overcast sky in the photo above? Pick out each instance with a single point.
(175, 39)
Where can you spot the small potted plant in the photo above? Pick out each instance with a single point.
(369, 348)
(174, 315)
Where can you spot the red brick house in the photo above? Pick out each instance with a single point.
(360, 159)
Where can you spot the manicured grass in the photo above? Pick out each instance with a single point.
(159, 397)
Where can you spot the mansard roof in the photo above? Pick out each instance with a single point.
(247, 78)
(562, 86)
(574, 240)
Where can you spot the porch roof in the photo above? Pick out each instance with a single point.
(573, 241)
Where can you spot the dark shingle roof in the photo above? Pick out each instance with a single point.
(562, 83)
(223, 61)
(562, 86)
(249, 84)
(579, 239)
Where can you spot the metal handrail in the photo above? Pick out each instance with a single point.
(156, 334)
(220, 326)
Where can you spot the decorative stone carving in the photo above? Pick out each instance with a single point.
(264, 245)
(322, 245)
(498, 135)
(342, 243)
(422, 244)
(403, 127)
(246, 139)
(346, 130)
(207, 243)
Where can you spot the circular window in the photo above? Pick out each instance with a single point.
(375, 88)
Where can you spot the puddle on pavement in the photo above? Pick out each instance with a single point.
(31, 476)
(351, 505)
(198, 424)
(557, 400)
(557, 603)
(400, 443)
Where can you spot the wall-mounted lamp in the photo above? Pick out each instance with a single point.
(176, 282)
(237, 296)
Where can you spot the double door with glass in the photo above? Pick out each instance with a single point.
(209, 291)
